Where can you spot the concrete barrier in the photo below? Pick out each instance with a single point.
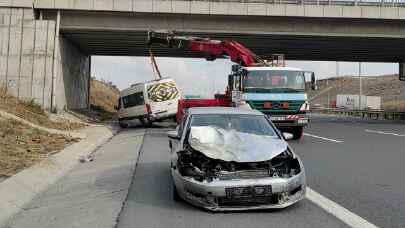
(370, 114)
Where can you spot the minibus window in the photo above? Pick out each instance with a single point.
(132, 100)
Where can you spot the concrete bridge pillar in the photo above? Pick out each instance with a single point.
(401, 71)
(32, 68)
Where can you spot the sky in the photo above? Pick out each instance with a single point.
(204, 78)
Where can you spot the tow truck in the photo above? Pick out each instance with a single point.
(266, 85)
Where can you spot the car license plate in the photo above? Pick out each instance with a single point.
(259, 190)
(303, 121)
(277, 118)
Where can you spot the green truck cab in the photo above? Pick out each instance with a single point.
(280, 93)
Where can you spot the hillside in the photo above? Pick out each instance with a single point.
(31, 111)
(391, 90)
(103, 97)
(21, 145)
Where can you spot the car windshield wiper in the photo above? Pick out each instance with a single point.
(289, 90)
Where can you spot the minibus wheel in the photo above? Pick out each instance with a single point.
(146, 122)
(122, 124)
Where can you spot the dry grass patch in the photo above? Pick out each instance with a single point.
(388, 87)
(22, 146)
(396, 106)
(103, 98)
(32, 112)
(103, 95)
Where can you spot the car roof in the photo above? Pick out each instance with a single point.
(140, 86)
(223, 110)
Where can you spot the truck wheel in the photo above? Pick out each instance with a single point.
(297, 133)
(122, 124)
(145, 122)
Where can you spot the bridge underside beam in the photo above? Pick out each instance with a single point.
(298, 38)
(295, 47)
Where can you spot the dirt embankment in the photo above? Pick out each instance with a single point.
(103, 98)
(388, 87)
(32, 112)
(21, 145)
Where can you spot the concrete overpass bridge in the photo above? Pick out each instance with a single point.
(46, 44)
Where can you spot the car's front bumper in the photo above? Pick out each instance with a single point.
(212, 195)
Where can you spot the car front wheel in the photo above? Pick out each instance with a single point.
(176, 196)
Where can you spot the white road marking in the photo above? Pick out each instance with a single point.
(384, 133)
(337, 210)
(320, 137)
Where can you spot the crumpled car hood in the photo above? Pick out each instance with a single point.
(230, 145)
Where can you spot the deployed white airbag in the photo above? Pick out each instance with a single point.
(230, 145)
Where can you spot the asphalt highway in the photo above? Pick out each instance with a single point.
(363, 171)
(355, 163)
(150, 203)
(354, 173)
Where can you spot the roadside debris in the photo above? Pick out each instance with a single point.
(86, 158)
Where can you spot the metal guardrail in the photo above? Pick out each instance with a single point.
(371, 114)
(379, 3)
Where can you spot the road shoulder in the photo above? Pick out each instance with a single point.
(16, 192)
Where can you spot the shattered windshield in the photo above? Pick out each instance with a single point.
(252, 124)
(274, 80)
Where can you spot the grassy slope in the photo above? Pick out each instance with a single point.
(388, 87)
(22, 146)
(32, 112)
(103, 97)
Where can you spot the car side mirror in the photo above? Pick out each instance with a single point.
(287, 136)
(173, 135)
(236, 67)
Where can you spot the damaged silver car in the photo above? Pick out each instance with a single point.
(227, 159)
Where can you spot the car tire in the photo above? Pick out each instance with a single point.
(146, 122)
(122, 124)
(176, 196)
(298, 133)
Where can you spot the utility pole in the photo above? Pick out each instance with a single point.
(336, 75)
(360, 86)
(328, 99)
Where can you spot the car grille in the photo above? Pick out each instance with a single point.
(247, 201)
(293, 106)
(284, 121)
(246, 174)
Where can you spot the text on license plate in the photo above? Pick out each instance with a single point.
(277, 118)
(260, 190)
